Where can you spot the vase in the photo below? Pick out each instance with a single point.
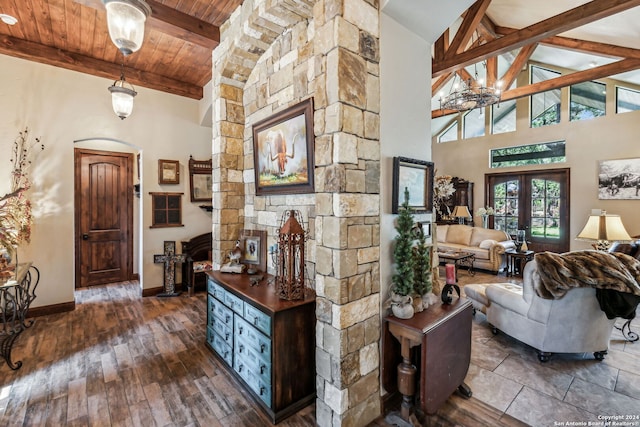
(402, 306)
(485, 221)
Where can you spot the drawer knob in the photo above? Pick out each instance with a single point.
(255, 320)
(240, 348)
(240, 368)
(261, 391)
(262, 348)
(240, 330)
(262, 369)
(226, 336)
(226, 319)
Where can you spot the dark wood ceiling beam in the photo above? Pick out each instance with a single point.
(173, 23)
(573, 78)
(439, 84)
(603, 49)
(469, 24)
(31, 51)
(487, 28)
(573, 18)
(492, 71)
(440, 46)
(516, 66)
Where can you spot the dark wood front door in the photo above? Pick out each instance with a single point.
(104, 217)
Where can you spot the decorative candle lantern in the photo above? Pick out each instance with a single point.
(290, 277)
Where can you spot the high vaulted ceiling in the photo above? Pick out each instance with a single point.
(597, 39)
(175, 56)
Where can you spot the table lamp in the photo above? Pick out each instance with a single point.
(604, 229)
(462, 213)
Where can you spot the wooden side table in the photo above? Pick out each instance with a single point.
(516, 261)
(444, 334)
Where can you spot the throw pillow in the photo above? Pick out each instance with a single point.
(486, 244)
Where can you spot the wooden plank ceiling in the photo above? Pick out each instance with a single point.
(479, 39)
(175, 56)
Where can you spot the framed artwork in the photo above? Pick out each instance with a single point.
(166, 210)
(200, 180)
(254, 248)
(619, 179)
(417, 177)
(168, 172)
(283, 147)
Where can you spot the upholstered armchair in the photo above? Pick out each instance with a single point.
(572, 324)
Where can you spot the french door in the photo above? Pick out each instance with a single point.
(534, 201)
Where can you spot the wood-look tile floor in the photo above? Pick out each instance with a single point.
(123, 360)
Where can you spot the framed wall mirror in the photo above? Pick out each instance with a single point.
(200, 180)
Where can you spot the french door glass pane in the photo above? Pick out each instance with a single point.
(506, 206)
(545, 209)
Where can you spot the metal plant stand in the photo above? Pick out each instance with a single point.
(15, 298)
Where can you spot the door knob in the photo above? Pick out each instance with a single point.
(85, 237)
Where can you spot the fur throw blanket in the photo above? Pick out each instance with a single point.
(557, 273)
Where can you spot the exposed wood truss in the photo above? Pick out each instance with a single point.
(496, 40)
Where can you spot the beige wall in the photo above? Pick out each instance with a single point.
(614, 136)
(63, 107)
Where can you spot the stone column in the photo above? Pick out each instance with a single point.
(228, 164)
(348, 214)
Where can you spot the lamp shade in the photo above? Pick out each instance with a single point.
(125, 20)
(604, 227)
(122, 98)
(461, 212)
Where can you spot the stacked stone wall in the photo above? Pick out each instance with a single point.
(276, 53)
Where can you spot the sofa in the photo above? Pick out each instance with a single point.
(486, 244)
(578, 319)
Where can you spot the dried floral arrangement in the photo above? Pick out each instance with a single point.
(15, 207)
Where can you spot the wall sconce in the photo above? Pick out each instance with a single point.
(122, 94)
(125, 20)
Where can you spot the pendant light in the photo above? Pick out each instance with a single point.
(122, 94)
(125, 19)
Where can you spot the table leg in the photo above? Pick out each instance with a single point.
(407, 387)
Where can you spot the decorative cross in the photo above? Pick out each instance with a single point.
(169, 258)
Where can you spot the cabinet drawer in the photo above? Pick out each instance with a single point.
(211, 308)
(234, 303)
(252, 380)
(221, 347)
(221, 312)
(225, 331)
(257, 319)
(256, 363)
(216, 290)
(253, 338)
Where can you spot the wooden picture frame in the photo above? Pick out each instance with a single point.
(619, 179)
(200, 180)
(417, 177)
(283, 151)
(254, 249)
(166, 210)
(168, 171)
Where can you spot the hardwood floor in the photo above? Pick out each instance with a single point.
(121, 359)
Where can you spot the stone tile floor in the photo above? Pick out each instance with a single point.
(506, 374)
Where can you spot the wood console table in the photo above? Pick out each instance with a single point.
(444, 334)
(16, 295)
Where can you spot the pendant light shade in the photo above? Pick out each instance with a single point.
(122, 94)
(125, 19)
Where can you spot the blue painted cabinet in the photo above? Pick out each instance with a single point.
(266, 342)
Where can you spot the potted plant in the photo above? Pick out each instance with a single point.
(422, 280)
(402, 279)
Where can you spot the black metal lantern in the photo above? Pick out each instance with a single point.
(290, 271)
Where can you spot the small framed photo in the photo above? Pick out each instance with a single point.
(417, 177)
(254, 249)
(168, 172)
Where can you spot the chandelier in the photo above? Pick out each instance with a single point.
(122, 94)
(125, 20)
(471, 94)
